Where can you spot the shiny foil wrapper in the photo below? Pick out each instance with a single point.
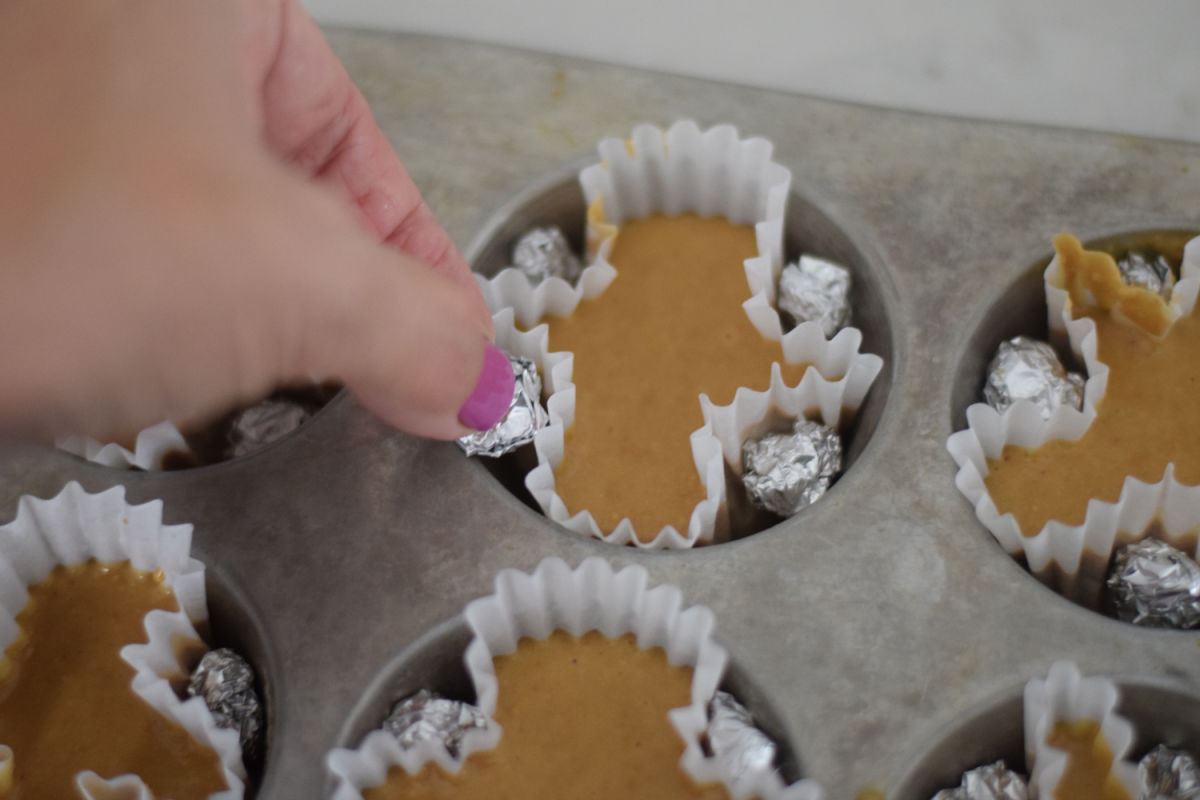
(991, 782)
(1147, 272)
(1026, 369)
(263, 423)
(1153, 584)
(525, 417)
(425, 717)
(785, 472)
(816, 289)
(545, 253)
(735, 741)
(1167, 774)
(226, 683)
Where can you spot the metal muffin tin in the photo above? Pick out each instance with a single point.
(882, 635)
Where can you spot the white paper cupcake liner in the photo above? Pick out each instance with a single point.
(149, 448)
(814, 397)
(715, 443)
(1056, 552)
(707, 172)
(591, 597)
(1065, 695)
(511, 289)
(76, 526)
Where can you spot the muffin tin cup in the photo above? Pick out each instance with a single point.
(712, 172)
(1074, 558)
(591, 597)
(1065, 695)
(164, 447)
(1142, 712)
(74, 527)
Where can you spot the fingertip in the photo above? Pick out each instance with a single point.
(490, 399)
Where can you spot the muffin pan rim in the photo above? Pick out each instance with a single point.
(907, 181)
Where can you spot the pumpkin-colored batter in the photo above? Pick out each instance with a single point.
(670, 327)
(65, 699)
(1088, 774)
(584, 718)
(1147, 418)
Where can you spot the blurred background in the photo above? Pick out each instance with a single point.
(1110, 65)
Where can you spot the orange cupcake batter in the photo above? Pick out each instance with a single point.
(584, 718)
(1088, 774)
(1147, 418)
(65, 701)
(670, 327)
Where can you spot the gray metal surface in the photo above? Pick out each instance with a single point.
(871, 626)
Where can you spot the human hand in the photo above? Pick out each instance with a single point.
(196, 205)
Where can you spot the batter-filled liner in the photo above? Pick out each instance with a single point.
(1073, 558)
(592, 596)
(74, 527)
(1065, 695)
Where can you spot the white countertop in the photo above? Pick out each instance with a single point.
(1109, 65)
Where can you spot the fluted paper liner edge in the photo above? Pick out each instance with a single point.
(1056, 552)
(592, 596)
(681, 169)
(148, 450)
(1065, 695)
(75, 526)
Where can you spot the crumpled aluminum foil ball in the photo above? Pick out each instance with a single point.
(543, 253)
(1155, 585)
(735, 740)
(1026, 369)
(785, 472)
(225, 681)
(1167, 774)
(426, 717)
(1148, 272)
(816, 289)
(990, 782)
(525, 417)
(262, 423)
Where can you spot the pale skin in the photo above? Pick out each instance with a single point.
(196, 205)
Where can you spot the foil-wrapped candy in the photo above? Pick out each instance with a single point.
(735, 741)
(262, 423)
(1147, 272)
(1026, 369)
(545, 253)
(525, 417)
(1153, 584)
(816, 289)
(425, 717)
(785, 472)
(1167, 774)
(226, 683)
(990, 782)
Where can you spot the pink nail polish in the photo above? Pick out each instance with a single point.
(492, 395)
